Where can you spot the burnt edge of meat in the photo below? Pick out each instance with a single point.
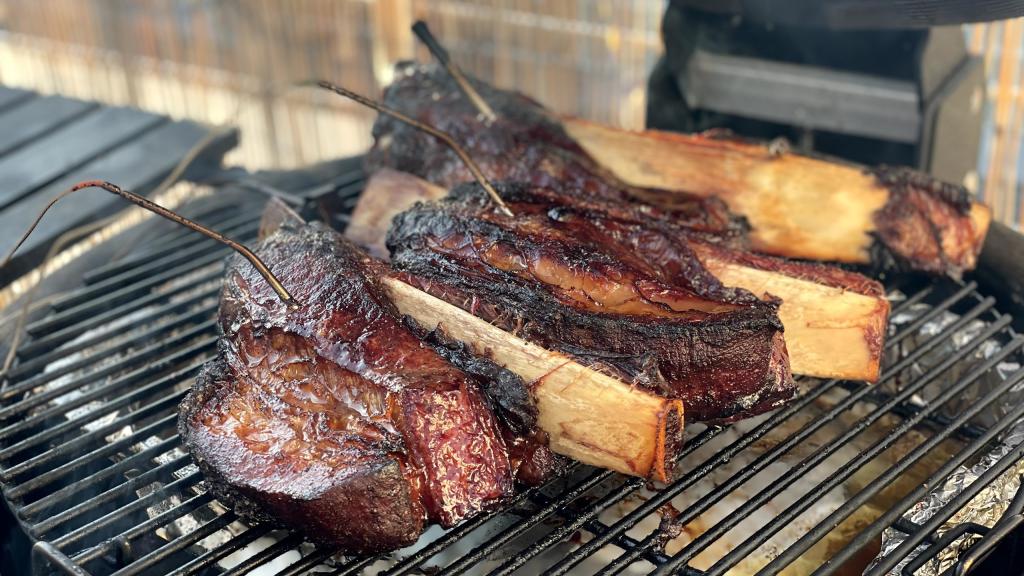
(832, 275)
(910, 226)
(719, 363)
(427, 92)
(564, 207)
(526, 143)
(901, 178)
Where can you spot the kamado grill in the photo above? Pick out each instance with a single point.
(917, 473)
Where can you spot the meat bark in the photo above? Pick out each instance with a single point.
(333, 417)
(525, 144)
(563, 283)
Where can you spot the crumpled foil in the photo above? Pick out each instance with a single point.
(988, 506)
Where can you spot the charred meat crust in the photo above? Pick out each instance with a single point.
(689, 219)
(510, 398)
(673, 248)
(720, 368)
(335, 410)
(722, 365)
(898, 177)
(593, 230)
(377, 491)
(925, 224)
(525, 144)
(427, 93)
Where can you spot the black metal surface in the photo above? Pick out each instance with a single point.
(809, 97)
(48, 143)
(90, 460)
(895, 97)
(865, 14)
(1000, 546)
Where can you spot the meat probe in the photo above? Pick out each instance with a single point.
(442, 136)
(422, 32)
(148, 204)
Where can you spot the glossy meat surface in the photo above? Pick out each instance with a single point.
(927, 224)
(526, 144)
(334, 418)
(552, 277)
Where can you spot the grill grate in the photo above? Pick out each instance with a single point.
(91, 463)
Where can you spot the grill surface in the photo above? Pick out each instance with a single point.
(91, 463)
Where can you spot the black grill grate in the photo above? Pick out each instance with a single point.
(92, 465)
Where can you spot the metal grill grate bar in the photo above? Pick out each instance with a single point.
(688, 480)
(99, 393)
(178, 544)
(627, 543)
(97, 434)
(160, 473)
(883, 480)
(61, 320)
(265, 555)
(220, 552)
(143, 355)
(176, 487)
(353, 567)
(306, 563)
(534, 519)
(31, 511)
(50, 476)
(55, 339)
(186, 241)
(560, 503)
(152, 271)
(932, 314)
(623, 541)
(820, 454)
(847, 470)
(413, 560)
(121, 346)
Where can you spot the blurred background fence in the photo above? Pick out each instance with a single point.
(207, 59)
(233, 60)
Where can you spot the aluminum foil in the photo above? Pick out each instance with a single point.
(986, 508)
(989, 505)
